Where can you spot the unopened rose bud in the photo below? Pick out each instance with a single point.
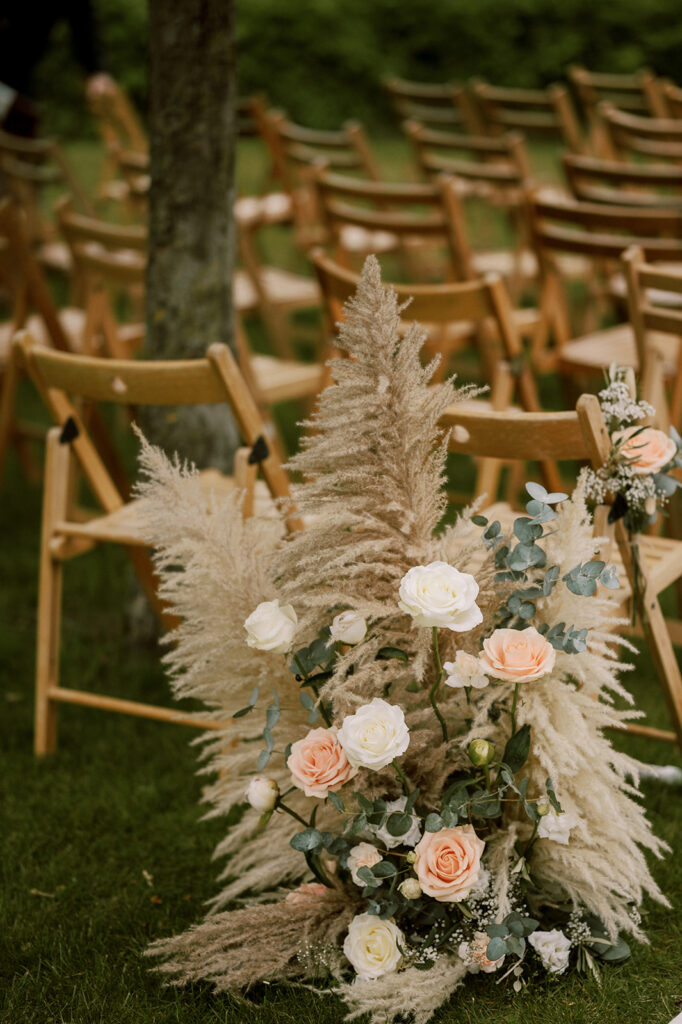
(410, 889)
(411, 857)
(348, 628)
(481, 752)
(262, 793)
(543, 808)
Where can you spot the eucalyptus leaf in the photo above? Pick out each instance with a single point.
(497, 947)
(433, 823)
(336, 800)
(384, 869)
(263, 759)
(386, 653)
(399, 823)
(367, 877)
(517, 749)
(497, 931)
(307, 841)
(479, 520)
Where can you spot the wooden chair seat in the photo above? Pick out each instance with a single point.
(272, 208)
(506, 262)
(55, 256)
(72, 321)
(278, 380)
(592, 352)
(655, 296)
(283, 288)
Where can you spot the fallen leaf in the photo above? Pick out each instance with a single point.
(149, 879)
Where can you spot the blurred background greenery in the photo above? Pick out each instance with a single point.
(323, 60)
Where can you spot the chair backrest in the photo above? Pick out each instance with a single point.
(652, 137)
(63, 378)
(672, 98)
(117, 120)
(443, 105)
(426, 212)
(654, 296)
(23, 277)
(541, 113)
(637, 93)
(297, 147)
(594, 180)
(493, 165)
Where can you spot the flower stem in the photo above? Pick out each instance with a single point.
(309, 857)
(307, 681)
(403, 778)
(515, 700)
(532, 838)
(434, 689)
(294, 814)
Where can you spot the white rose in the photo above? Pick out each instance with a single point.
(410, 889)
(553, 948)
(556, 826)
(364, 855)
(383, 836)
(440, 595)
(271, 628)
(372, 946)
(475, 956)
(262, 793)
(374, 735)
(465, 670)
(348, 628)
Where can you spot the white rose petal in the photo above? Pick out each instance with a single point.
(372, 946)
(374, 735)
(348, 628)
(262, 793)
(553, 948)
(410, 889)
(556, 827)
(364, 855)
(465, 670)
(384, 837)
(440, 595)
(271, 627)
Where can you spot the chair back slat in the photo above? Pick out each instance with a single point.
(547, 112)
(596, 180)
(517, 436)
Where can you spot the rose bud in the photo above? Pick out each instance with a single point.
(411, 857)
(262, 793)
(543, 808)
(481, 752)
(410, 889)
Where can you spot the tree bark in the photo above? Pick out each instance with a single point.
(191, 224)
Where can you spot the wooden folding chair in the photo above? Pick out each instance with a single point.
(599, 232)
(625, 135)
(545, 114)
(63, 381)
(672, 98)
(443, 105)
(654, 297)
(582, 435)
(494, 173)
(636, 93)
(480, 308)
(594, 180)
(121, 130)
(29, 167)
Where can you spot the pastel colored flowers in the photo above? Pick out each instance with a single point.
(440, 595)
(517, 655)
(448, 863)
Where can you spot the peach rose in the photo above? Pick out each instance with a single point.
(647, 450)
(448, 863)
(309, 892)
(517, 655)
(318, 763)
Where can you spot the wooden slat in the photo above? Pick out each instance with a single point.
(508, 435)
(130, 707)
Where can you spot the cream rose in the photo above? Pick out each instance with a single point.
(440, 595)
(318, 763)
(348, 628)
(465, 670)
(448, 863)
(373, 946)
(374, 735)
(553, 948)
(271, 627)
(517, 655)
(364, 855)
(410, 889)
(262, 793)
(557, 827)
(646, 449)
(475, 956)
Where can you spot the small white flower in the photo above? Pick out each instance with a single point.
(348, 628)
(384, 837)
(374, 735)
(553, 948)
(262, 793)
(556, 827)
(465, 670)
(364, 855)
(372, 946)
(440, 595)
(475, 956)
(410, 889)
(271, 628)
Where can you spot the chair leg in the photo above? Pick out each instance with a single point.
(660, 645)
(55, 498)
(8, 390)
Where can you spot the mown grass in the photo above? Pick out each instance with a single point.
(102, 848)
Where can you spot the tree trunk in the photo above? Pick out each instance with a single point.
(191, 225)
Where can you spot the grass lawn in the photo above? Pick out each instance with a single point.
(102, 849)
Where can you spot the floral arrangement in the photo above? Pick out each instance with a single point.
(429, 790)
(637, 474)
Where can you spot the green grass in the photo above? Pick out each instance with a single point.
(102, 849)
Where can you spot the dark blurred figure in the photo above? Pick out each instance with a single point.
(25, 29)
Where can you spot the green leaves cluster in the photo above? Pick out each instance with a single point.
(375, 813)
(509, 936)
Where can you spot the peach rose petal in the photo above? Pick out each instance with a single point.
(646, 449)
(517, 655)
(318, 763)
(448, 863)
